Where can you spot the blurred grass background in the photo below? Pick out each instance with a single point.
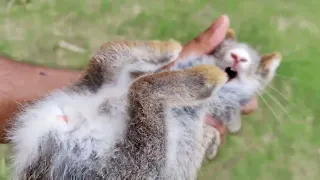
(280, 141)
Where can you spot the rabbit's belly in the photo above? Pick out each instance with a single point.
(184, 151)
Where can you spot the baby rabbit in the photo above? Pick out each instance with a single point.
(122, 121)
(249, 73)
(111, 125)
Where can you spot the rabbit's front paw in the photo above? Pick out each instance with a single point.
(213, 77)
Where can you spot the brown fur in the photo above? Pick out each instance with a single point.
(231, 34)
(152, 103)
(267, 59)
(104, 65)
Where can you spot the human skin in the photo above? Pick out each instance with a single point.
(25, 83)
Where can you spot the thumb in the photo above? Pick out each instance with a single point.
(214, 34)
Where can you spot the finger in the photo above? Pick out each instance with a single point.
(207, 40)
(218, 33)
(223, 139)
(215, 34)
(216, 124)
(220, 128)
(212, 121)
(251, 106)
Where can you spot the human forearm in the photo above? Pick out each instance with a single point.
(22, 83)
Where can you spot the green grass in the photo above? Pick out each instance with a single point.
(277, 142)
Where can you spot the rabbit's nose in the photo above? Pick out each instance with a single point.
(235, 57)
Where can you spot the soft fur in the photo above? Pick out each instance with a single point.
(112, 125)
(249, 81)
(253, 74)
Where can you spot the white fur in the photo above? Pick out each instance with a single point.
(206, 59)
(249, 85)
(241, 54)
(272, 70)
(190, 61)
(84, 120)
(181, 145)
(124, 74)
(274, 66)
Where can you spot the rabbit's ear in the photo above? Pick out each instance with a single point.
(268, 66)
(231, 34)
(270, 61)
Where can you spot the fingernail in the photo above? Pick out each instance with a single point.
(221, 20)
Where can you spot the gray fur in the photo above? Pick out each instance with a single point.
(164, 135)
(226, 106)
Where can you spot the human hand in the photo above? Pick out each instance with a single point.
(223, 130)
(208, 40)
(251, 106)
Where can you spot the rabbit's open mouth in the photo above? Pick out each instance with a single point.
(231, 73)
